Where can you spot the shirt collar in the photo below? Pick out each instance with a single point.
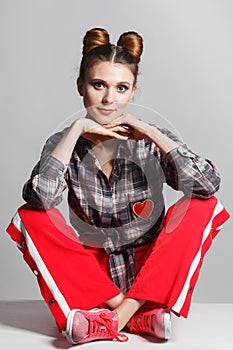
(84, 146)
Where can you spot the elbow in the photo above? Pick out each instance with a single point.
(37, 201)
(38, 204)
(45, 203)
(207, 191)
(31, 197)
(203, 195)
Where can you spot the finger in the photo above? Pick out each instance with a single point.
(121, 131)
(126, 126)
(116, 122)
(110, 125)
(119, 136)
(111, 132)
(120, 128)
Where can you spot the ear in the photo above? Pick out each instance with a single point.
(133, 91)
(80, 87)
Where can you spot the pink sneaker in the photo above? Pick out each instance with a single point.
(96, 324)
(156, 322)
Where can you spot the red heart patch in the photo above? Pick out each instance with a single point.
(143, 209)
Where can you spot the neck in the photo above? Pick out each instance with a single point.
(105, 151)
(106, 145)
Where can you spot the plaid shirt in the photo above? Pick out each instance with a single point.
(103, 210)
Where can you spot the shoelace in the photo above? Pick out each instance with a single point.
(102, 325)
(142, 323)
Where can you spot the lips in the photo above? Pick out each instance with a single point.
(106, 111)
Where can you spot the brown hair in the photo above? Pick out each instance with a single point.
(97, 48)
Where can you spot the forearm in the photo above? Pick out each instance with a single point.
(47, 182)
(183, 169)
(162, 141)
(65, 147)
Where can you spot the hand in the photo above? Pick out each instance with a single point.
(97, 133)
(136, 128)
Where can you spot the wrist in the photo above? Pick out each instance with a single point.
(149, 131)
(162, 141)
(79, 126)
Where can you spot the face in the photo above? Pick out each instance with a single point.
(107, 89)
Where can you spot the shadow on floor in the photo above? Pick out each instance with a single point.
(32, 316)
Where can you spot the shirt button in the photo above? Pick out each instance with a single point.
(51, 302)
(184, 152)
(191, 289)
(36, 272)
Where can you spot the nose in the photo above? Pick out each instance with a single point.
(108, 97)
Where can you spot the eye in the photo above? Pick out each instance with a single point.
(122, 88)
(98, 85)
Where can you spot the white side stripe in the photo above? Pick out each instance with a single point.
(17, 221)
(181, 299)
(46, 274)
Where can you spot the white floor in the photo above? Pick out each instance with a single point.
(29, 325)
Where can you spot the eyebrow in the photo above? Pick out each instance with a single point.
(103, 81)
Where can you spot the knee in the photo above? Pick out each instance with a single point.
(196, 205)
(189, 211)
(37, 218)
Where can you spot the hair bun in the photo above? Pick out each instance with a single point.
(93, 38)
(132, 42)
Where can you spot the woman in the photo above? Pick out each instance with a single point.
(126, 264)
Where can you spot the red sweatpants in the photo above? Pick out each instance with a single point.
(72, 276)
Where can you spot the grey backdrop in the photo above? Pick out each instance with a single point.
(186, 75)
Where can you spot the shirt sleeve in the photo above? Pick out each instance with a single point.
(188, 172)
(48, 179)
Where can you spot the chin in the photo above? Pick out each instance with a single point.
(103, 119)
